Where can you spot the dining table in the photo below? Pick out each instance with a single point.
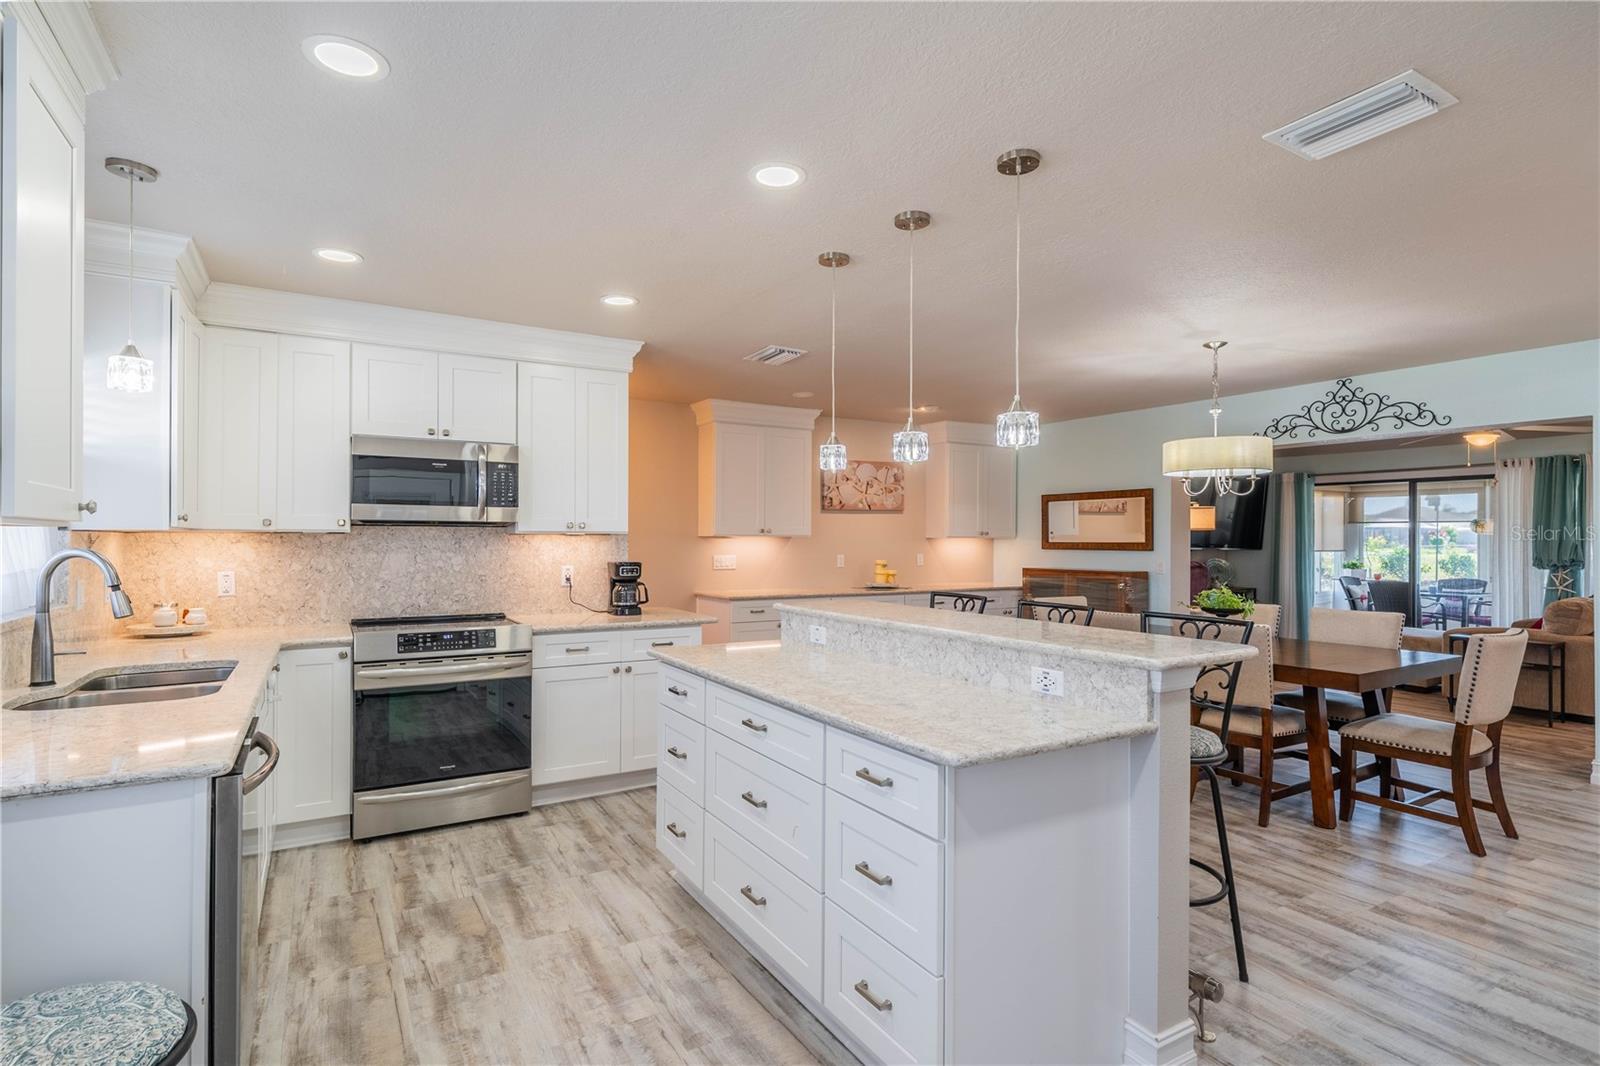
(1319, 665)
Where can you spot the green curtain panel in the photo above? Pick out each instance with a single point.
(1560, 522)
(1305, 559)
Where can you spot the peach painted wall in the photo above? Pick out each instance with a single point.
(662, 492)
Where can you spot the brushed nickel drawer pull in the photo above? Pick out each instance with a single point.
(867, 776)
(672, 827)
(676, 754)
(866, 993)
(750, 799)
(574, 651)
(759, 901)
(748, 724)
(876, 878)
(662, 643)
(761, 611)
(676, 691)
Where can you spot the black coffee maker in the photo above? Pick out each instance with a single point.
(628, 593)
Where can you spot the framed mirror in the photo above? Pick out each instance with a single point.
(1108, 520)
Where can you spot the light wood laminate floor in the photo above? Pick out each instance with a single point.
(560, 937)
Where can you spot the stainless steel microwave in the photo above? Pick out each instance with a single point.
(412, 482)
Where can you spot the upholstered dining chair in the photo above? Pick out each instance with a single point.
(960, 601)
(1489, 672)
(1072, 610)
(1368, 629)
(1128, 621)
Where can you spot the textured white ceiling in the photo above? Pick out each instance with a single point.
(521, 160)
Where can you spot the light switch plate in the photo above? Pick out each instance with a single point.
(224, 582)
(919, 558)
(724, 562)
(838, 560)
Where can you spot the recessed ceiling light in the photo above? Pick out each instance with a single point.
(618, 300)
(802, 395)
(338, 255)
(777, 175)
(344, 56)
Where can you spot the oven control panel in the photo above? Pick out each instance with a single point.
(502, 485)
(446, 640)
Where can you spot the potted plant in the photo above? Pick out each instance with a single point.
(1353, 568)
(1223, 602)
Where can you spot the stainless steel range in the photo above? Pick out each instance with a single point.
(442, 721)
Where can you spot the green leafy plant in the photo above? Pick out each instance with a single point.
(1223, 598)
(1353, 564)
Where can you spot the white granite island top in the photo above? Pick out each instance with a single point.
(787, 593)
(79, 748)
(574, 621)
(948, 722)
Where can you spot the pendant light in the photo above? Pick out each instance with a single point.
(1483, 439)
(831, 456)
(129, 370)
(911, 443)
(1016, 427)
(1234, 464)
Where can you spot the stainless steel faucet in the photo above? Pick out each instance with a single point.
(44, 642)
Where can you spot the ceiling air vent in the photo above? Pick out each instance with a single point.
(775, 355)
(1401, 100)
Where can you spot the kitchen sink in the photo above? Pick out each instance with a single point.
(151, 686)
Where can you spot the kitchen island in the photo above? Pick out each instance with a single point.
(940, 864)
(752, 613)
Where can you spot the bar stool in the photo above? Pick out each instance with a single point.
(131, 1023)
(1073, 614)
(961, 601)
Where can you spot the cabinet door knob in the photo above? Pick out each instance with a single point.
(183, 518)
(627, 669)
(616, 669)
(266, 521)
(340, 522)
(446, 432)
(430, 431)
(88, 507)
(344, 655)
(570, 524)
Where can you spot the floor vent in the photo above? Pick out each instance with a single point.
(1400, 101)
(775, 355)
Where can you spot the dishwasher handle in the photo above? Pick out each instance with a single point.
(260, 741)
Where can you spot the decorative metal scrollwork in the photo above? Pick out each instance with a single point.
(1348, 408)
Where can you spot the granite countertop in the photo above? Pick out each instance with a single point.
(76, 749)
(575, 621)
(945, 721)
(815, 593)
(1146, 651)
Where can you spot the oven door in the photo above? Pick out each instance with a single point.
(441, 741)
(431, 481)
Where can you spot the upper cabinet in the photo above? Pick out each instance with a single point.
(313, 434)
(572, 449)
(972, 484)
(402, 392)
(41, 282)
(756, 472)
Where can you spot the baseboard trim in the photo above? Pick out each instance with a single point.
(588, 788)
(307, 834)
(1172, 1047)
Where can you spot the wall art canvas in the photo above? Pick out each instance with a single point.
(865, 485)
(1103, 507)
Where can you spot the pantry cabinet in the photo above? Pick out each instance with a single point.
(756, 474)
(403, 392)
(572, 439)
(972, 484)
(41, 285)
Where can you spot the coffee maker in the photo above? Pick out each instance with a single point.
(628, 593)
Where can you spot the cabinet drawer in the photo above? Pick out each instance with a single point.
(766, 903)
(792, 740)
(680, 833)
(904, 787)
(682, 758)
(754, 611)
(740, 631)
(901, 1020)
(552, 648)
(779, 811)
(888, 877)
(639, 645)
(682, 692)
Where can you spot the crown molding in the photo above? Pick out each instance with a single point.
(167, 257)
(753, 414)
(66, 35)
(246, 307)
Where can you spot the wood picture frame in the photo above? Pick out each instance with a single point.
(1074, 524)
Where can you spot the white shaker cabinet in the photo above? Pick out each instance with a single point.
(572, 450)
(313, 435)
(972, 484)
(41, 286)
(478, 398)
(639, 714)
(188, 342)
(576, 727)
(238, 437)
(314, 734)
(403, 392)
(756, 471)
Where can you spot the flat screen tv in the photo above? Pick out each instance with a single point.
(1241, 520)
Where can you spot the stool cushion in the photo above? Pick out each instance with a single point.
(1342, 706)
(123, 1023)
(1203, 744)
(1427, 735)
(1246, 722)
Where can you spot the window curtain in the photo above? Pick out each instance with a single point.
(1297, 528)
(1560, 522)
(1519, 587)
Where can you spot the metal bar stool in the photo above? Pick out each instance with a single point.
(138, 1023)
(961, 601)
(1073, 614)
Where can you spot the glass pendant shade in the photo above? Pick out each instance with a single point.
(1016, 428)
(910, 445)
(128, 371)
(831, 456)
(1202, 519)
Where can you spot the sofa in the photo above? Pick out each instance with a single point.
(1569, 622)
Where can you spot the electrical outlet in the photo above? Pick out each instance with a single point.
(818, 634)
(838, 560)
(224, 582)
(566, 577)
(724, 562)
(1048, 682)
(919, 558)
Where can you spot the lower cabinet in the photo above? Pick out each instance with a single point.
(314, 734)
(639, 715)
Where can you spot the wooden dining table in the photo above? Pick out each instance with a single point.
(1318, 666)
